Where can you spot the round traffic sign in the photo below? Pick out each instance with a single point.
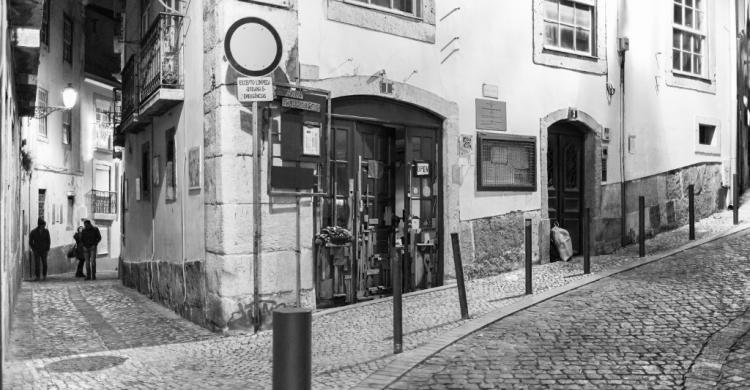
(253, 46)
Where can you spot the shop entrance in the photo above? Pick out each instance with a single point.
(385, 187)
(565, 180)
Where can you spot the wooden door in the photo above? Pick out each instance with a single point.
(565, 182)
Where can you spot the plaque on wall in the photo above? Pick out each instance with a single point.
(491, 115)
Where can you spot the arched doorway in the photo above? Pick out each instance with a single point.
(571, 175)
(386, 189)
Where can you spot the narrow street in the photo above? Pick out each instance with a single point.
(643, 328)
(648, 328)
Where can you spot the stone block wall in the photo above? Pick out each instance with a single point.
(181, 288)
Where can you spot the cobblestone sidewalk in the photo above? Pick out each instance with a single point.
(139, 345)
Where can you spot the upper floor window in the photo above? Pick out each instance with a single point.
(569, 26)
(44, 30)
(406, 7)
(67, 130)
(689, 37)
(67, 39)
(41, 103)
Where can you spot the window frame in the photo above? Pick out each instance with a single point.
(67, 39)
(507, 139)
(44, 29)
(703, 32)
(42, 101)
(714, 149)
(592, 29)
(416, 4)
(67, 128)
(145, 171)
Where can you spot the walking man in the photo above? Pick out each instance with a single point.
(39, 242)
(90, 237)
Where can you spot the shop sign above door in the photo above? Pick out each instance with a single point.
(254, 89)
(253, 47)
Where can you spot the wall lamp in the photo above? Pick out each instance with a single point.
(69, 95)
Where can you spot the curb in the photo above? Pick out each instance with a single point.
(407, 360)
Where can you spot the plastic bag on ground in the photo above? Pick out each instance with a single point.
(563, 243)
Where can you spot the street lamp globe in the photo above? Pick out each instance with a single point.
(70, 95)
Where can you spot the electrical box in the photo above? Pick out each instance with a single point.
(623, 44)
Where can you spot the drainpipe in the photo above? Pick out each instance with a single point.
(738, 160)
(621, 50)
(183, 199)
(153, 212)
(256, 214)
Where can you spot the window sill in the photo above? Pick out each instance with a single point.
(555, 49)
(42, 138)
(688, 81)
(384, 10)
(385, 20)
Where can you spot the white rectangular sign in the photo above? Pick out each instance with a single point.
(254, 89)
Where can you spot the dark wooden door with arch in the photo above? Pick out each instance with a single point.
(565, 181)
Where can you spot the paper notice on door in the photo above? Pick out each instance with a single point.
(311, 139)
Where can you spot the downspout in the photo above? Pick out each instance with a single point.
(183, 199)
(738, 160)
(153, 213)
(623, 198)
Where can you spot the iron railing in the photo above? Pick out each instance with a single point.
(130, 97)
(160, 66)
(104, 202)
(115, 116)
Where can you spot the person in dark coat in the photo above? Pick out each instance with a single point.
(79, 253)
(39, 242)
(90, 238)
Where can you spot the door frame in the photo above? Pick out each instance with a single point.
(592, 175)
(573, 132)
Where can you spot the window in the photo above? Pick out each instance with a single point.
(689, 37)
(569, 26)
(71, 206)
(406, 7)
(145, 170)
(41, 102)
(41, 203)
(605, 157)
(706, 134)
(44, 30)
(67, 39)
(67, 118)
(171, 169)
(103, 124)
(506, 163)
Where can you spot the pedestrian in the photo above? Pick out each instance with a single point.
(39, 242)
(90, 237)
(79, 252)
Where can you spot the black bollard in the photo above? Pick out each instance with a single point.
(691, 211)
(586, 241)
(527, 241)
(735, 200)
(398, 333)
(641, 226)
(292, 349)
(459, 277)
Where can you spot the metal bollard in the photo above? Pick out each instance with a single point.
(641, 226)
(292, 349)
(527, 241)
(459, 276)
(398, 333)
(691, 211)
(735, 200)
(586, 241)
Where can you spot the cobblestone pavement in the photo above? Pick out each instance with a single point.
(102, 335)
(639, 329)
(735, 373)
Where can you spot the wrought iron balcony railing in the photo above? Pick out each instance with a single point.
(130, 98)
(115, 116)
(104, 202)
(160, 65)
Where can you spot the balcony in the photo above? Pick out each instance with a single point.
(152, 80)
(104, 204)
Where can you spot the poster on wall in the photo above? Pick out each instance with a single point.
(194, 169)
(137, 188)
(311, 139)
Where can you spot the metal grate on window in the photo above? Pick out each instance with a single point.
(506, 163)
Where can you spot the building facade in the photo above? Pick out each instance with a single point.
(74, 175)
(403, 122)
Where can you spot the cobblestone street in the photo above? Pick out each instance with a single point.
(641, 329)
(70, 334)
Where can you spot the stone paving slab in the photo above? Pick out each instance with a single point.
(349, 344)
(642, 328)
